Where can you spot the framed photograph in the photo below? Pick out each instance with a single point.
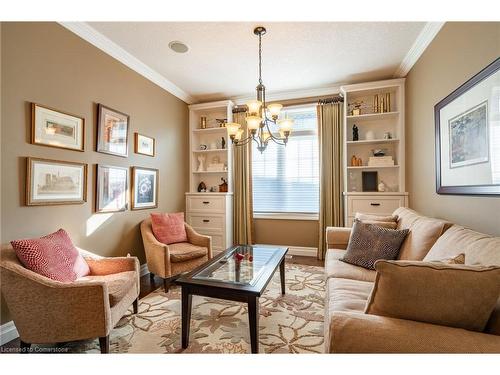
(112, 131)
(468, 136)
(111, 189)
(144, 188)
(144, 145)
(50, 182)
(53, 128)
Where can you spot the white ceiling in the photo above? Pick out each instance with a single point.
(222, 60)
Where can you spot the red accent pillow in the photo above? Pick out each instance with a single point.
(169, 228)
(53, 256)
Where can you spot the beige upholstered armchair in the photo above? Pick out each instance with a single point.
(46, 311)
(169, 261)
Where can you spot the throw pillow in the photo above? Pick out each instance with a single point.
(450, 295)
(459, 259)
(169, 228)
(369, 243)
(53, 256)
(390, 222)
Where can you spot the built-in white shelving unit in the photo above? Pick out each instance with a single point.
(210, 212)
(373, 126)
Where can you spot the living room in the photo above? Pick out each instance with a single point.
(228, 183)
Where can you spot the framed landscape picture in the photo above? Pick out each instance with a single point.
(50, 182)
(112, 131)
(468, 136)
(50, 127)
(144, 188)
(144, 145)
(111, 189)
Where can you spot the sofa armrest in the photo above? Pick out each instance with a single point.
(366, 333)
(337, 237)
(157, 253)
(198, 239)
(108, 266)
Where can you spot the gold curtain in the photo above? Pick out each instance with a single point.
(330, 132)
(243, 207)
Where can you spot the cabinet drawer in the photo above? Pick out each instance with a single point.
(217, 238)
(210, 222)
(375, 205)
(204, 203)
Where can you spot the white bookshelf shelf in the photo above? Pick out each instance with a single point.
(213, 150)
(374, 167)
(374, 116)
(210, 130)
(209, 172)
(373, 141)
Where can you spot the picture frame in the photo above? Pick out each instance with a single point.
(112, 131)
(144, 145)
(55, 182)
(112, 185)
(144, 193)
(467, 122)
(54, 128)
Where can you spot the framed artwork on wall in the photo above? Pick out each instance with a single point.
(468, 136)
(111, 188)
(144, 188)
(144, 145)
(50, 182)
(53, 128)
(112, 131)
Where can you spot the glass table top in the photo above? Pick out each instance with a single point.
(241, 265)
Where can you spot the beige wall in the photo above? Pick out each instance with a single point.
(45, 63)
(303, 233)
(459, 51)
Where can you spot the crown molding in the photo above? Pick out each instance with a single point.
(418, 47)
(91, 35)
(290, 94)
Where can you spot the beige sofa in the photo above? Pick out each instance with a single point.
(349, 330)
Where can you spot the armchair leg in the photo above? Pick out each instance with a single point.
(136, 305)
(104, 344)
(166, 285)
(25, 346)
(151, 276)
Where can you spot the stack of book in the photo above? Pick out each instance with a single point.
(380, 161)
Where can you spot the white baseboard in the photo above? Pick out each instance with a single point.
(144, 269)
(8, 332)
(298, 250)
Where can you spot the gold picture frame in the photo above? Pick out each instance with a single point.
(51, 127)
(55, 182)
(144, 192)
(140, 148)
(112, 131)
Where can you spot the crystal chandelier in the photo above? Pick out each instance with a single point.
(258, 121)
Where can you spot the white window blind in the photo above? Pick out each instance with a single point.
(286, 179)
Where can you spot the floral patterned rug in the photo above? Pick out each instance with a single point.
(292, 323)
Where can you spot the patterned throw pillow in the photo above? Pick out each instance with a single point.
(169, 228)
(53, 256)
(369, 243)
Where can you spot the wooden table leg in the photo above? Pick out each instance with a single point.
(282, 275)
(186, 315)
(253, 320)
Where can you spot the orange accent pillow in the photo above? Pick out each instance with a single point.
(169, 228)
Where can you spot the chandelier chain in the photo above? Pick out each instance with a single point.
(260, 58)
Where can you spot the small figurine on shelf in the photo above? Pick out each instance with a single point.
(223, 143)
(223, 186)
(355, 133)
(382, 187)
(356, 110)
(201, 163)
(203, 122)
(354, 161)
(222, 122)
(202, 188)
(360, 162)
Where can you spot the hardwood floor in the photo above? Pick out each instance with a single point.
(148, 285)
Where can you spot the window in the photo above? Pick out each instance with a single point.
(286, 179)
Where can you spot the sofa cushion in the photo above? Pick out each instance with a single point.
(53, 256)
(369, 243)
(390, 222)
(335, 268)
(424, 232)
(484, 252)
(493, 326)
(169, 228)
(183, 251)
(453, 242)
(118, 284)
(451, 295)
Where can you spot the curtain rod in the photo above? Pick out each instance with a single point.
(336, 99)
(295, 102)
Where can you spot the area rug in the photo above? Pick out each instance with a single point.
(292, 323)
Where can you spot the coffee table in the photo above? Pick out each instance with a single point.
(226, 277)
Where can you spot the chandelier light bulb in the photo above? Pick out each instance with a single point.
(254, 106)
(232, 129)
(274, 109)
(253, 122)
(285, 125)
(238, 135)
